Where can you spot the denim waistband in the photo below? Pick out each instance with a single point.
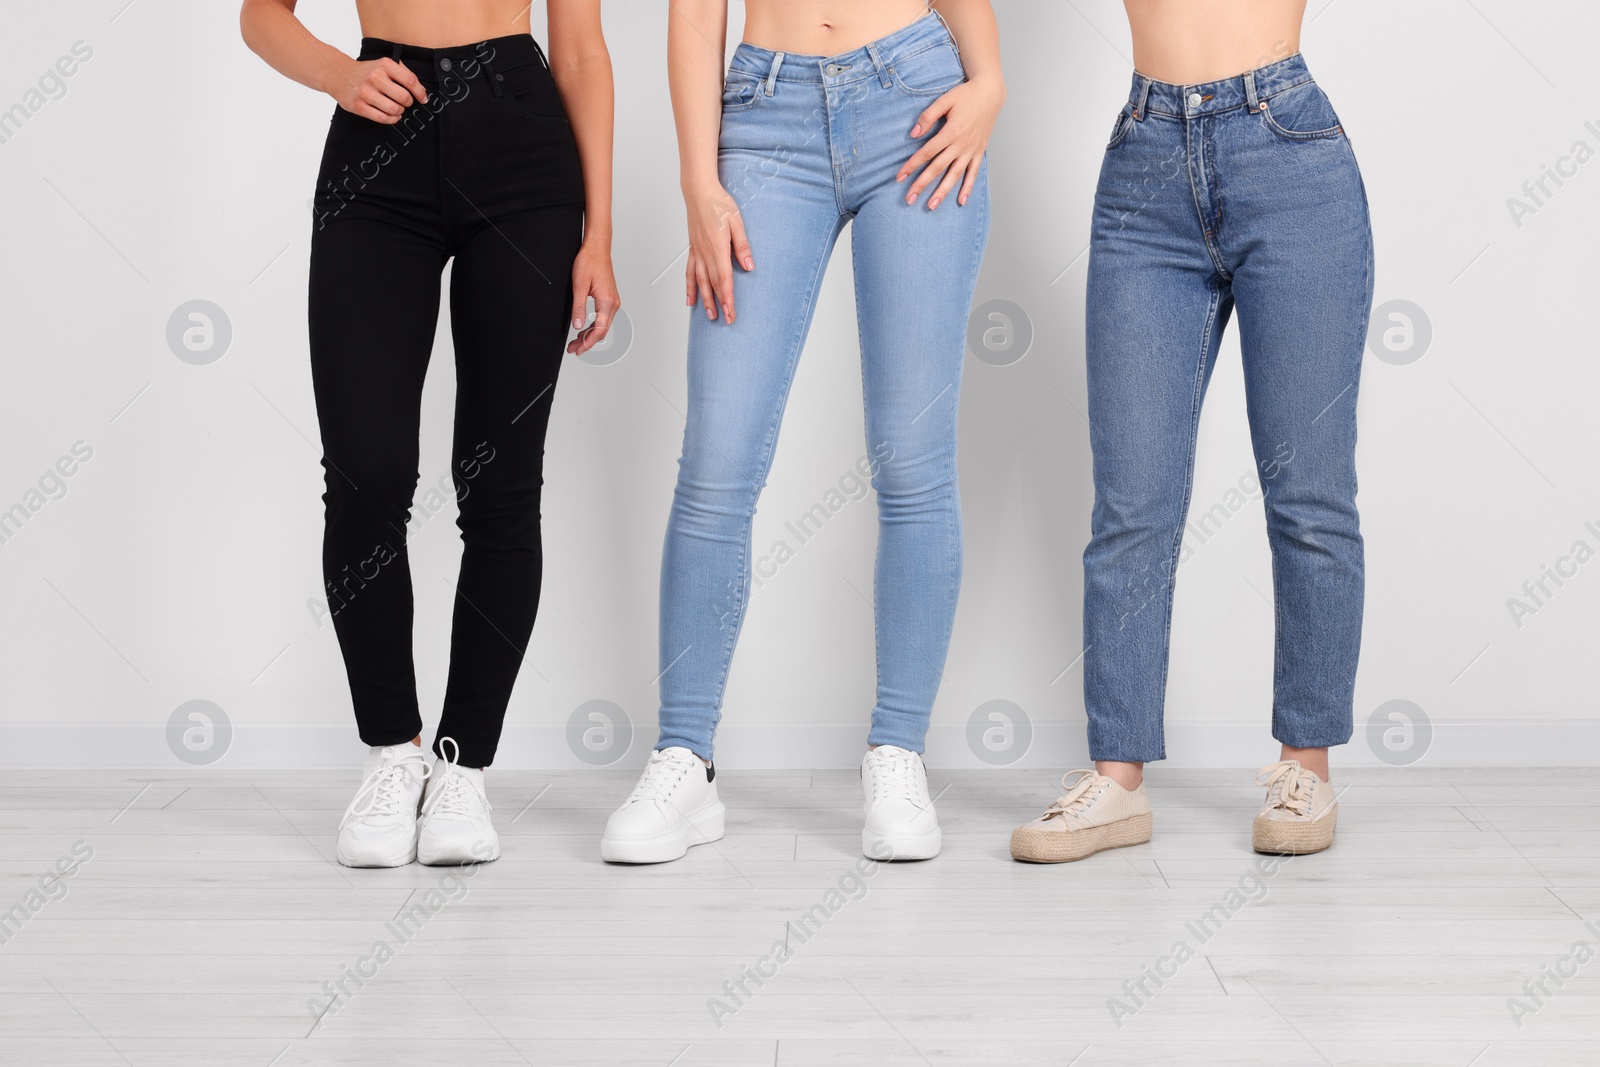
(464, 60)
(869, 61)
(1244, 90)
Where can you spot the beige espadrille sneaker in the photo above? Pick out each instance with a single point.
(1095, 814)
(1300, 813)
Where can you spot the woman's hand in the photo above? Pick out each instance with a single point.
(592, 278)
(378, 89)
(716, 238)
(956, 151)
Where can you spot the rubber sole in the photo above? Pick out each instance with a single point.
(1281, 837)
(892, 849)
(454, 854)
(699, 828)
(1064, 846)
(393, 859)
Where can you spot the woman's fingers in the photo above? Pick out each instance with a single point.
(394, 91)
(970, 180)
(724, 284)
(603, 312)
(376, 100)
(930, 115)
(924, 157)
(957, 170)
(593, 335)
(921, 156)
(404, 75)
(741, 244)
(707, 296)
(931, 173)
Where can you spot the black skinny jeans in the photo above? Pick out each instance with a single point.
(486, 172)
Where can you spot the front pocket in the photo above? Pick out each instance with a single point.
(1303, 113)
(538, 118)
(531, 90)
(1120, 129)
(741, 93)
(931, 72)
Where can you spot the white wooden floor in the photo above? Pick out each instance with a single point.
(212, 911)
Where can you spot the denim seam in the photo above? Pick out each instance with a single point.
(1280, 723)
(1199, 206)
(952, 467)
(768, 448)
(958, 550)
(877, 630)
(750, 105)
(1273, 126)
(1183, 510)
(900, 84)
(1278, 634)
(900, 57)
(833, 167)
(1122, 127)
(866, 419)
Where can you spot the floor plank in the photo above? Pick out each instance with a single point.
(210, 922)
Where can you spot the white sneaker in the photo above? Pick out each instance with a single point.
(901, 822)
(675, 805)
(379, 828)
(456, 827)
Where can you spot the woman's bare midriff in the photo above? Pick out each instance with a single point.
(825, 27)
(430, 24)
(1187, 42)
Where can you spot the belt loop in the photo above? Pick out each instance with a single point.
(877, 62)
(494, 79)
(1144, 95)
(772, 75)
(1250, 90)
(398, 49)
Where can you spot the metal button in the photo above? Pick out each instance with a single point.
(1194, 99)
(444, 64)
(835, 69)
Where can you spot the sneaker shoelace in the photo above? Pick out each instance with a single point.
(384, 790)
(455, 794)
(1289, 786)
(660, 778)
(894, 776)
(1078, 797)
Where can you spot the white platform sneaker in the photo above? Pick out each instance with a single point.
(455, 826)
(901, 822)
(673, 806)
(379, 828)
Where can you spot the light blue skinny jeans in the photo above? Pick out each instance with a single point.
(808, 144)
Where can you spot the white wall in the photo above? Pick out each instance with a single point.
(179, 562)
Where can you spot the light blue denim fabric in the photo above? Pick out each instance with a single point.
(1238, 193)
(808, 144)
